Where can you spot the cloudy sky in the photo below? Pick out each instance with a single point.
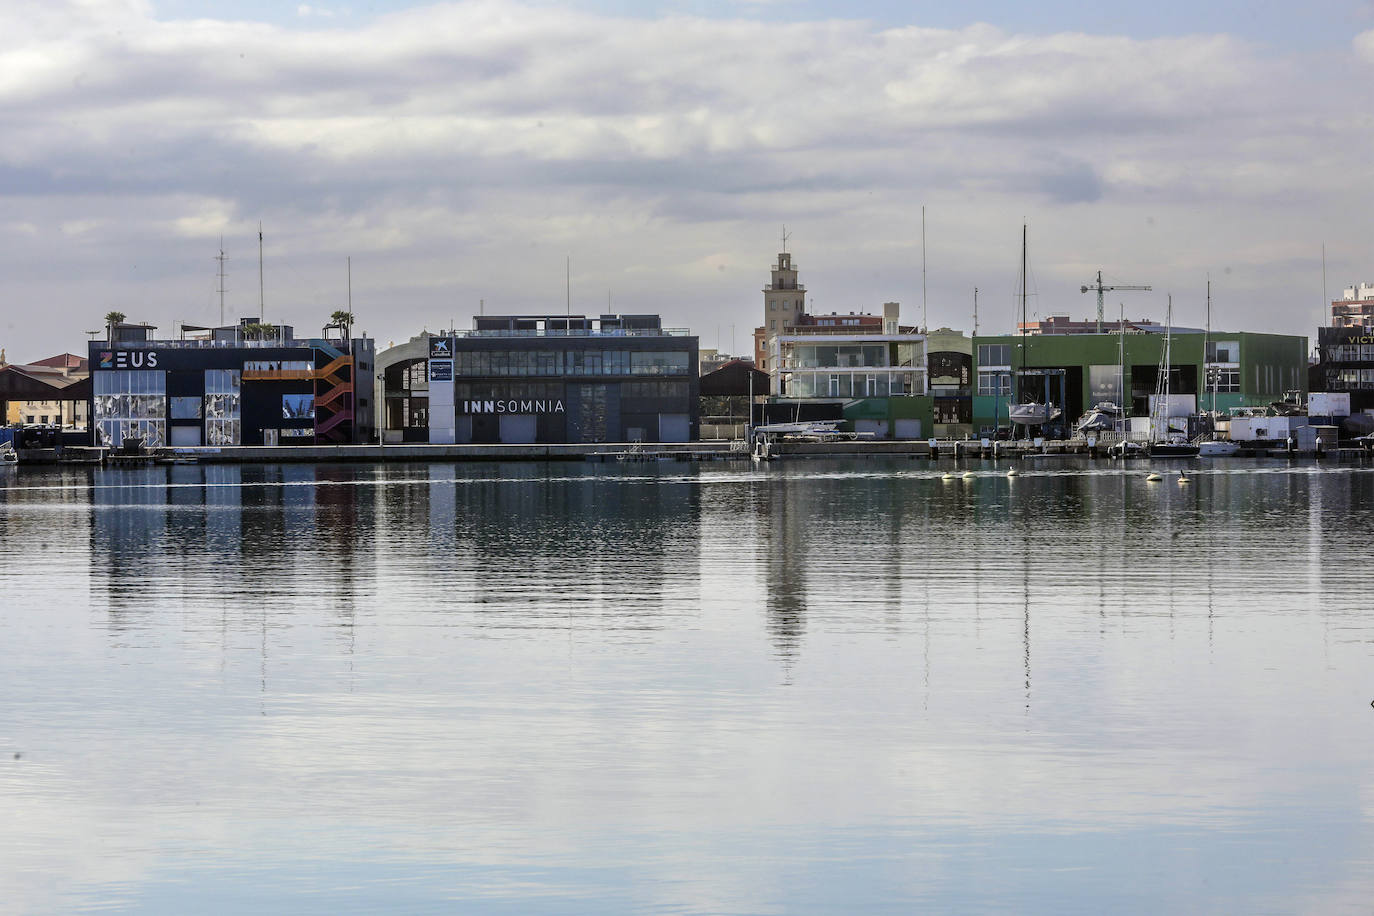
(461, 152)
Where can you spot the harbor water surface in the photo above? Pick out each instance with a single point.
(815, 687)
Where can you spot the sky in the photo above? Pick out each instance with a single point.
(420, 163)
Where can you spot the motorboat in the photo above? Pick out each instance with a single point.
(1217, 448)
(1105, 416)
(8, 456)
(1032, 414)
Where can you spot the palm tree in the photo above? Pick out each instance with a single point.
(343, 320)
(112, 318)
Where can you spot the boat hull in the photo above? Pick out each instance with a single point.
(1032, 414)
(1172, 450)
(1218, 449)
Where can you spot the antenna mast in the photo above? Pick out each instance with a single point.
(260, 299)
(221, 258)
(923, 269)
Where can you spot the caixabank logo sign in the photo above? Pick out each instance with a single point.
(128, 359)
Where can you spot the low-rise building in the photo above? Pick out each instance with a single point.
(1355, 308)
(1078, 371)
(230, 387)
(544, 379)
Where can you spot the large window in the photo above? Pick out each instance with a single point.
(994, 384)
(1223, 381)
(131, 404)
(298, 407)
(222, 405)
(994, 355)
(1223, 351)
(185, 408)
(659, 363)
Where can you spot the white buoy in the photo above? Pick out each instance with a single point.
(946, 476)
(1183, 478)
(1013, 473)
(969, 475)
(1152, 477)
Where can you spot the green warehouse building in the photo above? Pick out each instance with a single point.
(1078, 371)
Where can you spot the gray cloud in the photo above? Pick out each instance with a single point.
(443, 145)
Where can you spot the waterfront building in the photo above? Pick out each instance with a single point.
(63, 405)
(950, 366)
(245, 384)
(544, 379)
(856, 366)
(1078, 371)
(1345, 363)
(878, 380)
(1355, 308)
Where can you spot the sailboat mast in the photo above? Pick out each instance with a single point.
(1017, 388)
(1206, 341)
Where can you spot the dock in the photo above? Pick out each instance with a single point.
(709, 450)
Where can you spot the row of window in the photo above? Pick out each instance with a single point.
(1218, 351)
(852, 385)
(570, 362)
(1350, 353)
(1352, 379)
(838, 356)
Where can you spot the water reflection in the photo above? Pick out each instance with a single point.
(812, 687)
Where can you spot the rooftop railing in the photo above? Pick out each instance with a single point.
(201, 344)
(577, 332)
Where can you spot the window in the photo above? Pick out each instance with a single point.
(1223, 381)
(298, 407)
(994, 355)
(659, 363)
(1223, 351)
(994, 384)
(185, 408)
(130, 403)
(222, 399)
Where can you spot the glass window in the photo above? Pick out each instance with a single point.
(994, 384)
(185, 408)
(1223, 351)
(222, 398)
(994, 355)
(298, 407)
(130, 403)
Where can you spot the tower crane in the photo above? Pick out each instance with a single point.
(1102, 289)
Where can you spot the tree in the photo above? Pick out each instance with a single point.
(112, 318)
(343, 320)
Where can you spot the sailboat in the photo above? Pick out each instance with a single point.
(1163, 443)
(1212, 447)
(1027, 413)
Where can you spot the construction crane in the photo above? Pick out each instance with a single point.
(1102, 289)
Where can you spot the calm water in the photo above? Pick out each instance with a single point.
(809, 688)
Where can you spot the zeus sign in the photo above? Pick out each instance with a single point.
(128, 359)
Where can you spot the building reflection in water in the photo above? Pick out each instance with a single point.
(247, 547)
